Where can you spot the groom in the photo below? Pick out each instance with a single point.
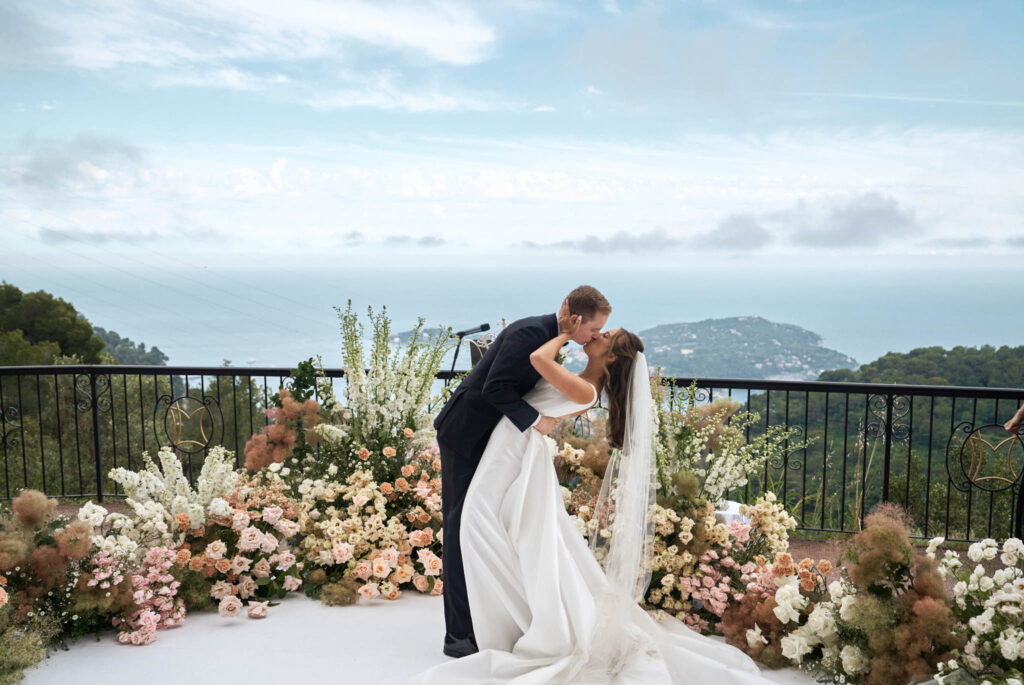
(494, 387)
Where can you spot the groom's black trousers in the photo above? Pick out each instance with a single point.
(457, 467)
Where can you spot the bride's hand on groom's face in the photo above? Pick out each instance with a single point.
(568, 323)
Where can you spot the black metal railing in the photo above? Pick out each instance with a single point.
(938, 451)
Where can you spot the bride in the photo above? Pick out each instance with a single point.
(545, 609)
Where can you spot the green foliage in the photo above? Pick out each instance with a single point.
(985, 367)
(125, 351)
(22, 646)
(42, 317)
(16, 350)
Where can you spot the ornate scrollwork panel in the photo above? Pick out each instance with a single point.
(191, 424)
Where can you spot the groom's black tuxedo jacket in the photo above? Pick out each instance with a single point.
(496, 386)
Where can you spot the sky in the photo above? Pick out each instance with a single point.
(259, 132)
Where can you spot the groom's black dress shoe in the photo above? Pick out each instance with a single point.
(459, 646)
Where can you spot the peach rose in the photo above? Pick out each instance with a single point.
(408, 470)
(182, 557)
(196, 562)
(182, 521)
(389, 451)
(230, 606)
(258, 609)
(3, 597)
(408, 432)
(421, 583)
(402, 485)
(222, 565)
(437, 464)
(364, 454)
(824, 566)
(369, 591)
(391, 556)
(381, 568)
(386, 488)
(438, 587)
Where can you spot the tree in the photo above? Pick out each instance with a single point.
(42, 317)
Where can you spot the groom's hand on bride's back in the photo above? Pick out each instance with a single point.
(545, 425)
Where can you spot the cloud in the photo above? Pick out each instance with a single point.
(863, 221)
(228, 78)
(621, 241)
(422, 241)
(594, 90)
(735, 232)
(382, 91)
(86, 161)
(1016, 240)
(54, 236)
(163, 33)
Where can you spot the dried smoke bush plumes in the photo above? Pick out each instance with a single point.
(882, 548)
(33, 508)
(75, 541)
(756, 610)
(342, 593)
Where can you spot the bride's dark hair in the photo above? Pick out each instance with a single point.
(625, 345)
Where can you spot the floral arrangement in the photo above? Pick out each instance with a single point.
(292, 425)
(361, 535)
(161, 498)
(245, 554)
(705, 443)
(989, 605)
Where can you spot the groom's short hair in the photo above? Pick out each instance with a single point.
(588, 301)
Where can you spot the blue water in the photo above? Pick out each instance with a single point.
(276, 317)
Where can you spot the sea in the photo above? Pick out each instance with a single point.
(279, 316)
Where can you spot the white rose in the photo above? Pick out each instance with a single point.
(755, 637)
(795, 646)
(853, 659)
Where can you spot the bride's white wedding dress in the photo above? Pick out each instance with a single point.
(540, 600)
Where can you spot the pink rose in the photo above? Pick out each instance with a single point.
(285, 560)
(258, 609)
(360, 499)
(291, 583)
(239, 521)
(342, 552)
(246, 586)
(216, 550)
(230, 606)
(287, 528)
(363, 570)
(272, 514)
(220, 590)
(250, 539)
(261, 569)
(421, 583)
(269, 543)
(438, 587)
(240, 564)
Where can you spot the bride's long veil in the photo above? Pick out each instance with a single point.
(624, 538)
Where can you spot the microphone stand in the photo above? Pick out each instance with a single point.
(460, 335)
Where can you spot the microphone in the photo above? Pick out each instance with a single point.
(479, 329)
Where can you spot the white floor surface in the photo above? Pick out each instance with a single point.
(377, 642)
